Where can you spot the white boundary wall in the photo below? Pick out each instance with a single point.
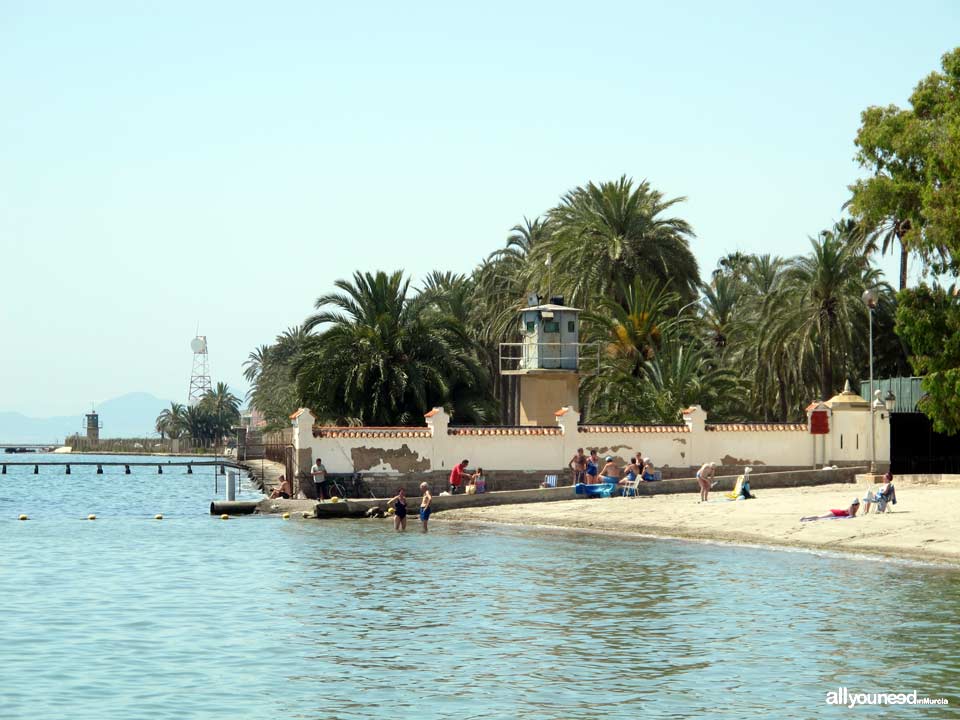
(438, 446)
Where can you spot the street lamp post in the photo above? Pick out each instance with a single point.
(870, 300)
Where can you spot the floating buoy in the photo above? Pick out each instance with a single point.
(91, 516)
(158, 516)
(391, 510)
(286, 516)
(334, 499)
(224, 517)
(23, 517)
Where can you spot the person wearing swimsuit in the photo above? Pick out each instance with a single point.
(425, 505)
(399, 502)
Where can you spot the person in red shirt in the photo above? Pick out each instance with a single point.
(456, 476)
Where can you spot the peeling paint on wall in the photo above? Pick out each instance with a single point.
(731, 460)
(402, 459)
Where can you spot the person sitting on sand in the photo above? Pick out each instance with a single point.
(610, 472)
(630, 472)
(848, 513)
(425, 505)
(885, 494)
(399, 502)
(283, 490)
(705, 479)
(649, 471)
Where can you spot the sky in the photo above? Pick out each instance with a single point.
(169, 166)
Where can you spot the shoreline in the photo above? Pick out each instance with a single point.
(924, 527)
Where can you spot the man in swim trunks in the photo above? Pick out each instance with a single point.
(425, 505)
(610, 472)
(399, 502)
(578, 465)
(283, 490)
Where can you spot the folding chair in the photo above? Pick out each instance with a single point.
(549, 481)
(631, 487)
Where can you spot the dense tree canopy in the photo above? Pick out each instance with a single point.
(758, 341)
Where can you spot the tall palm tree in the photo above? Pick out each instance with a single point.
(606, 233)
(254, 363)
(819, 311)
(170, 421)
(222, 406)
(384, 358)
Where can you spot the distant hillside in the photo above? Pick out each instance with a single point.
(130, 415)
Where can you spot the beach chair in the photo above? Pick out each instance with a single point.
(549, 481)
(631, 487)
(735, 493)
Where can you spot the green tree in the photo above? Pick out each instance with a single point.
(273, 391)
(222, 408)
(928, 318)
(383, 357)
(818, 310)
(170, 421)
(912, 196)
(609, 233)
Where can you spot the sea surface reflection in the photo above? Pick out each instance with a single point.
(193, 617)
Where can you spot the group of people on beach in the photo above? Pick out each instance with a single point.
(399, 504)
(587, 469)
(470, 482)
(885, 494)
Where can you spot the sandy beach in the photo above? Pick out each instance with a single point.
(924, 525)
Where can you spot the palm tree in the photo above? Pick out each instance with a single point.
(682, 375)
(384, 358)
(819, 312)
(198, 424)
(170, 421)
(222, 407)
(254, 363)
(606, 233)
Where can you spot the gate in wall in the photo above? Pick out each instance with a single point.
(916, 448)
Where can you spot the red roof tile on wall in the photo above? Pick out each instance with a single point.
(498, 431)
(633, 429)
(757, 427)
(370, 432)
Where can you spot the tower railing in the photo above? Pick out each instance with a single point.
(521, 357)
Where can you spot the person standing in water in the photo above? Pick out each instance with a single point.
(425, 505)
(399, 502)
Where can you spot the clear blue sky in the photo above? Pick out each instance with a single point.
(164, 164)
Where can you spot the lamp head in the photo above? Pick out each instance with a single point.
(870, 299)
(890, 400)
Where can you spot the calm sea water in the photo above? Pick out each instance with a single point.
(194, 617)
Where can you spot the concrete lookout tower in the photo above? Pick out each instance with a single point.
(93, 426)
(547, 361)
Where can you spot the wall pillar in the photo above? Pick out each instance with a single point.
(695, 418)
(302, 421)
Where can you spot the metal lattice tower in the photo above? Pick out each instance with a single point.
(200, 383)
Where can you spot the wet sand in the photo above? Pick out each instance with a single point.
(924, 525)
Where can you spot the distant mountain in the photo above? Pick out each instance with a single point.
(130, 415)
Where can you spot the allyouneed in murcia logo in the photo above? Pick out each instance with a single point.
(842, 696)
